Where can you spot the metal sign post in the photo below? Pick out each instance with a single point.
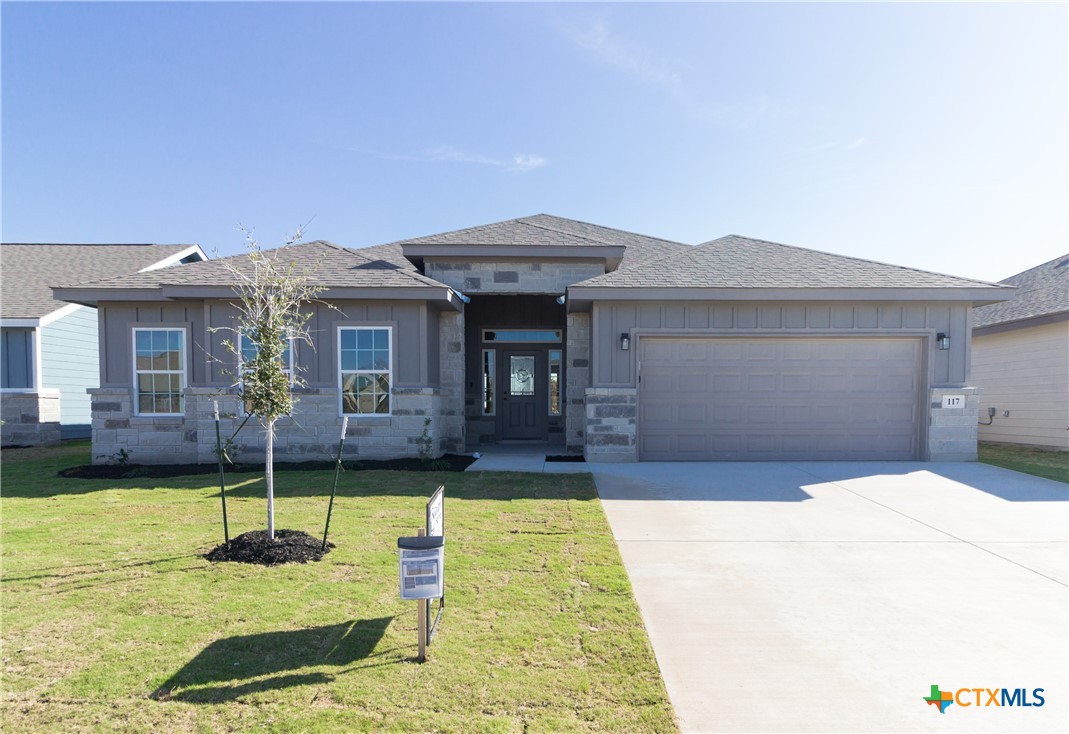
(222, 481)
(435, 526)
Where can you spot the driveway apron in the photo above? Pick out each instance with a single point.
(793, 597)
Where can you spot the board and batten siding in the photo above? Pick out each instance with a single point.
(613, 367)
(16, 358)
(70, 363)
(1024, 371)
(117, 321)
(211, 364)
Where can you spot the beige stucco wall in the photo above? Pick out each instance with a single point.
(1025, 372)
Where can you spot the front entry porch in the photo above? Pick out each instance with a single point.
(514, 370)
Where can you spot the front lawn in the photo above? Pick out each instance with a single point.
(113, 620)
(1040, 462)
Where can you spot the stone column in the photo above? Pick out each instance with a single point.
(451, 424)
(30, 418)
(952, 431)
(611, 417)
(577, 380)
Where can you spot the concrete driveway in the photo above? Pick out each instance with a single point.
(817, 597)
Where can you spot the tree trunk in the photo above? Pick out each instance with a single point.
(269, 475)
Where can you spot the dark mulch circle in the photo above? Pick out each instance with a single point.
(568, 457)
(448, 462)
(289, 546)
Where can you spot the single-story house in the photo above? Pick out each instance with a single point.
(1021, 360)
(49, 352)
(592, 340)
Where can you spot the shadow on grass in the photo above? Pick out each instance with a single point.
(293, 481)
(236, 661)
(80, 571)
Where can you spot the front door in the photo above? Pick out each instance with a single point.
(523, 395)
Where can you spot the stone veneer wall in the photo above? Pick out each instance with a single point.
(511, 277)
(576, 381)
(952, 432)
(312, 432)
(611, 418)
(29, 418)
(451, 424)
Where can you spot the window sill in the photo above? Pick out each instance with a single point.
(368, 419)
(175, 419)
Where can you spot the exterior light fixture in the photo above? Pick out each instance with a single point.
(625, 342)
(942, 340)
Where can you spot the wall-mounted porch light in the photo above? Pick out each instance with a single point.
(942, 340)
(625, 342)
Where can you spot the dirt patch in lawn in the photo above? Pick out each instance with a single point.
(448, 462)
(289, 546)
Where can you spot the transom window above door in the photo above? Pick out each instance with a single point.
(548, 336)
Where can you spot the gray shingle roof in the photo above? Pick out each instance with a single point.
(544, 230)
(741, 262)
(28, 271)
(391, 253)
(1041, 291)
(327, 264)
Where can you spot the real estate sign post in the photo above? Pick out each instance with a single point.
(436, 526)
(420, 562)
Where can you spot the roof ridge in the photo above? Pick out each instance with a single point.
(561, 231)
(450, 232)
(1049, 263)
(602, 226)
(852, 257)
(99, 244)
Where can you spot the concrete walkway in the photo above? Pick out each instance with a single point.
(830, 597)
(529, 457)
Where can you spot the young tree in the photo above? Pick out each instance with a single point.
(271, 290)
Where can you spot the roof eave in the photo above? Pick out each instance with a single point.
(1025, 323)
(176, 258)
(441, 297)
(583, 295)
(611, 254)
(91, 296)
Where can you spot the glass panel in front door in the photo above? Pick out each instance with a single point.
(521, 371)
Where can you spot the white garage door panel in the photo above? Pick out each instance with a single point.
(748, 399)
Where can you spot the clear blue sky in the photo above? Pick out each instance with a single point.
(930, 135)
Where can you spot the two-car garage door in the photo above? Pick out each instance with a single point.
(779, 398)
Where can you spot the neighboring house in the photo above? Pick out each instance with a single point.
(1021, 360)
(592, 340)
(49, 351)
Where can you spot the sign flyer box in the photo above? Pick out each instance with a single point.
(421, 566)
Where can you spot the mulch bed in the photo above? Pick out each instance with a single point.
(448, 462)
(568, 457)
(289, 546)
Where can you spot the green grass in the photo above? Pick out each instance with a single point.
(113, 620)
(1040, 462)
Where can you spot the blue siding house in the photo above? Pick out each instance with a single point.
(49, 349)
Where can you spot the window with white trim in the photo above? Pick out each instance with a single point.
(248, 353)
(554, 381)
(365, 369)
(159, 371)
(489, 380)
